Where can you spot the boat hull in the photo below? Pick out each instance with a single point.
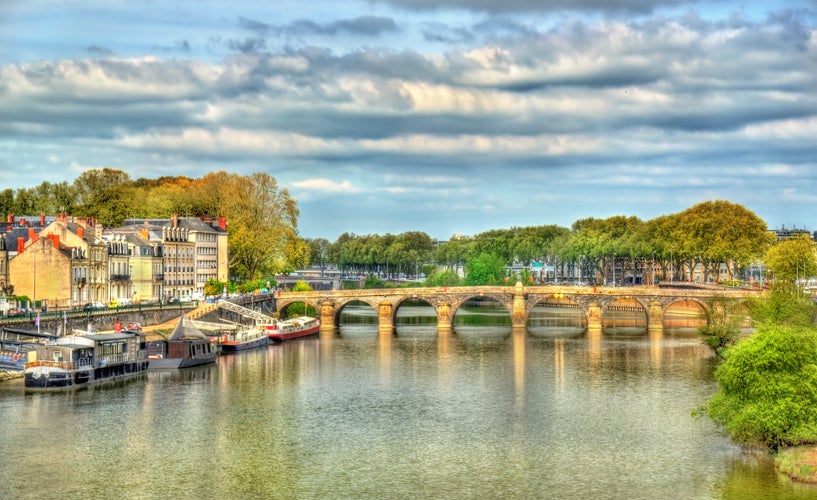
(278, 336)
(294, 328)
(44, 377)
(234, 346)
(175, 363)
(175, 354)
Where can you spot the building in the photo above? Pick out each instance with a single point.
(194, 251)
(785, 233)
(41, 270)
(145, 260)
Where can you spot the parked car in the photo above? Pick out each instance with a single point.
(92, 306)
(172, 300)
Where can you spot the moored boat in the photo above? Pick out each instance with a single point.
(293, 328)
(15, 345)
(187, 346)
(80, 360)
(241, 340)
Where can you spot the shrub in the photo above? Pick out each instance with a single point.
(768, 388)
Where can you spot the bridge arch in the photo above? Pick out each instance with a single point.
(561, 305)
(626, 314)
(685, 313)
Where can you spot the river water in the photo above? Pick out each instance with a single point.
(480, 412)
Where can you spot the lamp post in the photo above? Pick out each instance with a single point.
(614, 269)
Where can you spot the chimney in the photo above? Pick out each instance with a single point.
(42, 219)
(175, 220)
(222, 222)
(81, 232)
(21, 244)
(56, 240)
(32, 235)
(10, 218)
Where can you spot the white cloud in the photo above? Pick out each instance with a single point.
(328, 186)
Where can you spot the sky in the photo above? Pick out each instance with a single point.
(447, 117)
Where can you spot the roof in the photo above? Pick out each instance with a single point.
(182, 332)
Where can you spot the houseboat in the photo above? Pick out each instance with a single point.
(293, 328)
(187, 346)
(243, 339)
(15, 345)
(81, 360)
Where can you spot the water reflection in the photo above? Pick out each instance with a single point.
(479, 411)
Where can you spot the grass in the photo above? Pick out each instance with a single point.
(798, 462)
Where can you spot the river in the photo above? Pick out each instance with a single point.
(479, 412)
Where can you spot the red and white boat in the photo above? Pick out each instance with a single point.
(293, 328)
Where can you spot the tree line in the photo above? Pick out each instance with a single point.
(709, 236)
(264, 238)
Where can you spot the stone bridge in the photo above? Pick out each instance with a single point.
(518, 300)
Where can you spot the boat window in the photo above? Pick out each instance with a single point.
(58, 356)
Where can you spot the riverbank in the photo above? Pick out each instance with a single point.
(798, 462)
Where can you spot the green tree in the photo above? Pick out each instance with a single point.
(263, 222)
(214, 287)
(445, 277)
(784, 305)
(792, 259)
(768, 388)
(719, 232)
(104, 193)
(723, 320)
(301, 286)
(485, 269)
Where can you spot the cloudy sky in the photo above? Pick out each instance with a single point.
(443, 116)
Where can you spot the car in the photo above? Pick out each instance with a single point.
(172, 300)
(92, 306)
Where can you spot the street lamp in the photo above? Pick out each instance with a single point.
(614, 269)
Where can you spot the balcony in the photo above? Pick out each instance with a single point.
(80, 282)
(120, 277)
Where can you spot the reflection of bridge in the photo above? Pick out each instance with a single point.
(517, 300)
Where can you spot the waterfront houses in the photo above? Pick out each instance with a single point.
(65, 262)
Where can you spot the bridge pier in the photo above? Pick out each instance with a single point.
(655, 317)
(519, 317)
(444, 317)
(385, 318)
(327, 315)
(594, 316)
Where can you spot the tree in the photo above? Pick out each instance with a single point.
(445, 277)
(720, 232)
(768, 388)
(723, 319)
(318, 252)
(783, 306)
(104, 193)
(486, 269)
(792, 259)
(263, 221)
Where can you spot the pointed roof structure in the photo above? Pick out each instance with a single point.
(182, 332)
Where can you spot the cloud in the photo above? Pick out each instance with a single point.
(327, 186)
(612, 6)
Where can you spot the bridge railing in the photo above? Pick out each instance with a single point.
(533, 290)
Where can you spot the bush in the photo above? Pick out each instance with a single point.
(768, 388)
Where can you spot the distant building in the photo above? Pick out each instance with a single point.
(785, 233)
